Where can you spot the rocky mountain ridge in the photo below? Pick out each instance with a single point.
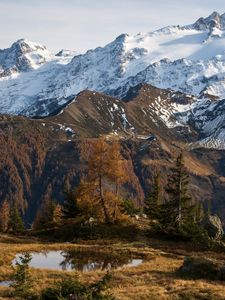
(38, 156)
(159, 93)
(189, 59)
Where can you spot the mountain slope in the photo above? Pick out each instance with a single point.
(189, 59)
(22, 56)
(26, 72)
(39, 155)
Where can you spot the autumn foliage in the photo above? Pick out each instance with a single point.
(98, 193)
(4, 216)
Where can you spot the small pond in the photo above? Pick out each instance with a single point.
(5, 283)
(81, 260)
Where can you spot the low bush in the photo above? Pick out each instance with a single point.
(71, 289)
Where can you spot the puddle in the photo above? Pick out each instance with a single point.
(5, 283)
(81, 260)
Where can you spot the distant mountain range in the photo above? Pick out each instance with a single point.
(39, 156)
(188, 59)
(160, 93)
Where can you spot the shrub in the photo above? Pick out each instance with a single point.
(129, 207)
(22, 280)
(71, 289)
(201, 267)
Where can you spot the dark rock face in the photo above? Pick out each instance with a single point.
(200, 267)
(213, 226)
(213, 20)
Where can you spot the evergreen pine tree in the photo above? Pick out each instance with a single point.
(70, 207)
(45, 214)
(22, 280)
(179, 206)
(176, 215)
(16, 221)
(154, 201)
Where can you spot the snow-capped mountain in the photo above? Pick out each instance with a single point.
(21, 57)
(208, 118)
(189, 59)
(213, 21)
(27, 71)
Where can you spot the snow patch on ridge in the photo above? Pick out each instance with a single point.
(190, 59)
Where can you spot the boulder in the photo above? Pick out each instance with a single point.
(144, 216)
(200, 267)
(212, 224)
(137, 217)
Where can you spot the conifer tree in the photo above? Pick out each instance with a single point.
(4, 216)
(179, 205)
(45, 214)
(176, 215)
(70, 207)
(116, 173)
(154, 201)
(99, 167)
(16, 221)
(22, 280)
(99, 193)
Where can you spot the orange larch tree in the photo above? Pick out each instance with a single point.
(99, 192)
(4, 216)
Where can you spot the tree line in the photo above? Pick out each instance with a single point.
(98, 194)
(10, 218)
(169, 208)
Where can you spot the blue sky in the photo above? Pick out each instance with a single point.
(85, 24)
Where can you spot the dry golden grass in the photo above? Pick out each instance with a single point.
(222, 179)
(197, 168)
(154, 162)
(156, 278)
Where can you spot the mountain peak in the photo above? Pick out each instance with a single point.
(214, 15)
(26, 46)
(214, 20)
(22, 56)
(122, 37)
(189, 59)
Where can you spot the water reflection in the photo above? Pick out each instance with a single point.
(96, 261)
(5, 283)
(82, 260)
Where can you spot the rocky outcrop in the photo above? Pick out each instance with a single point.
(200, 267)
(212, 224)
(213, 20)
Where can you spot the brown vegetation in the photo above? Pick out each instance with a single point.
(98, 194)
(156, 278)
